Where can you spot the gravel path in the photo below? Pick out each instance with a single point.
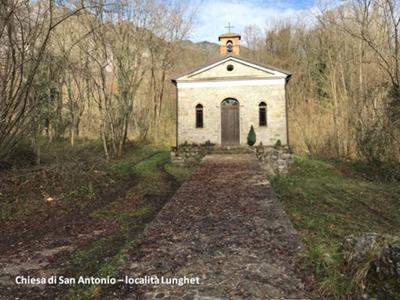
(226, 227)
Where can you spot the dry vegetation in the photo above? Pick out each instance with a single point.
(102, 70)
(344, 94)
(89, 68)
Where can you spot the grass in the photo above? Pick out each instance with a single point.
(181, 173)
(327, 201)
(151, 186)
(156, 180)
(122, 168)
(124, 194)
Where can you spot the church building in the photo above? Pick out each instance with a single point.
(220, 101)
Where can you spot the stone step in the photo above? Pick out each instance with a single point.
(233, 150)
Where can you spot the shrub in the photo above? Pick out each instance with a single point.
(207, 144)
(251, 137)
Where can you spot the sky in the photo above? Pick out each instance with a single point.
(213, 15)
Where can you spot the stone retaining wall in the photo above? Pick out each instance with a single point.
(275, 160)
(190, 152)
(377, 258)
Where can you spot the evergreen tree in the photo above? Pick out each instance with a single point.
(251, 137)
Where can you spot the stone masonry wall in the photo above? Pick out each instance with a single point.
(249, 98)
(187, 153)
(275, 160)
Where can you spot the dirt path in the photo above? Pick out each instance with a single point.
(226, 227)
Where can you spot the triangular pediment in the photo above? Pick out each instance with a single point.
(232, 67)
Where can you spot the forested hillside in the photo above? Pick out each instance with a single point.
(88, 69)
(103, 71)
(344, 93)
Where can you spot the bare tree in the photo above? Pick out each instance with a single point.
(118, 53)
(172, 25)
(25, 29)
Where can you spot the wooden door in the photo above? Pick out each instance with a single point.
(230, 122)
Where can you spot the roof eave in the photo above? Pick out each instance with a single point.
(176, 77)
(229, 36)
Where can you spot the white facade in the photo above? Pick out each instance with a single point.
(250, 84)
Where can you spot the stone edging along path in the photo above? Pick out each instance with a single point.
(226, 227)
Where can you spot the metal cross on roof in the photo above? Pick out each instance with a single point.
(229, 27)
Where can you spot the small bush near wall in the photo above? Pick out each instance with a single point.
(251, 137)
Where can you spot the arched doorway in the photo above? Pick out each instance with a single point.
(230, 122)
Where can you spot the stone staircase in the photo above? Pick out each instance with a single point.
(275, 160)
(189, 153)
(233, 150)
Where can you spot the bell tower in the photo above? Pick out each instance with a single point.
(229, 43)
